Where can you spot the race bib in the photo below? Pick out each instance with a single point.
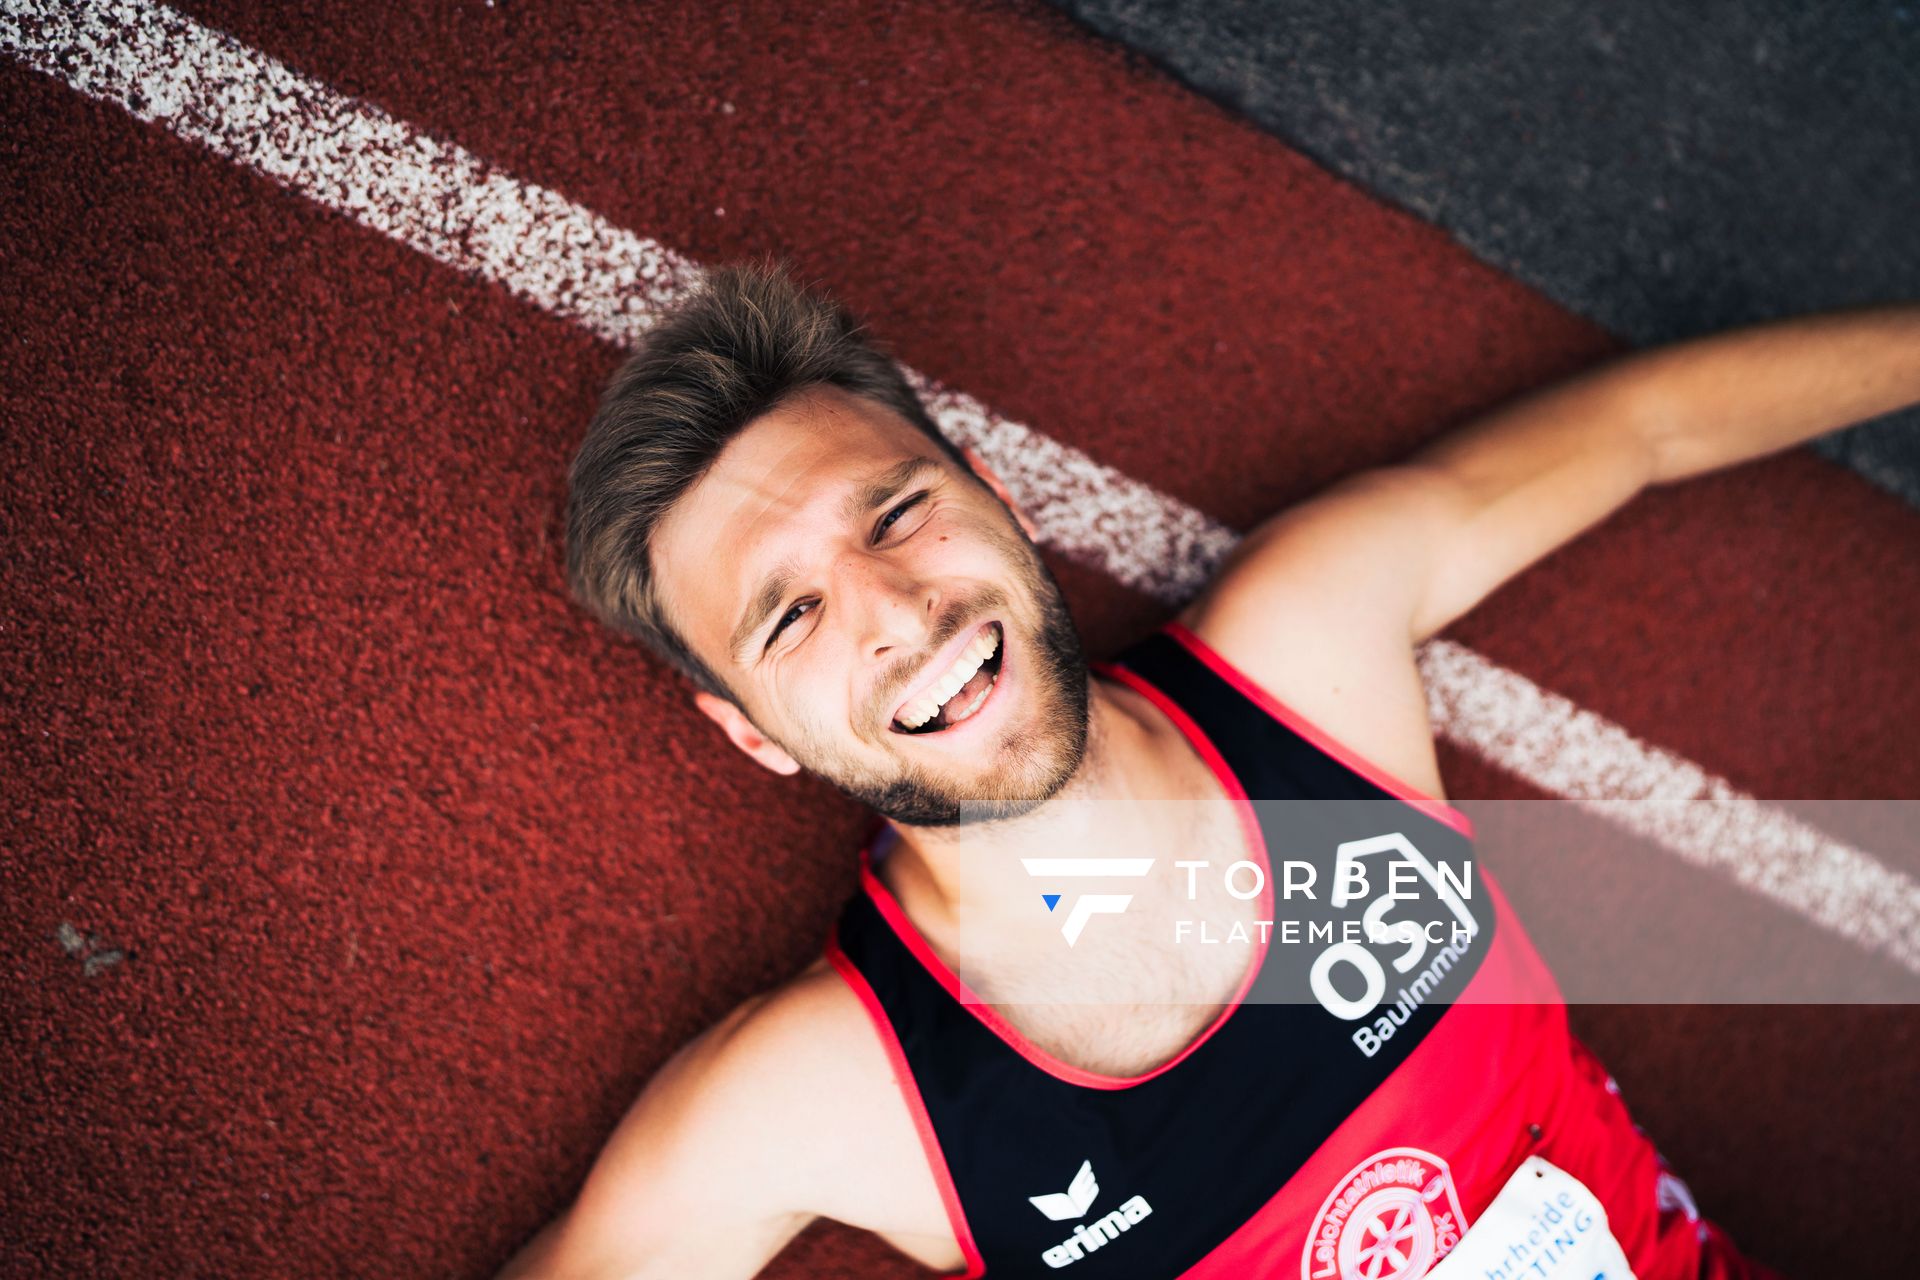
(1544, 1225)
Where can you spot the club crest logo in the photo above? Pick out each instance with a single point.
(1392, 1217)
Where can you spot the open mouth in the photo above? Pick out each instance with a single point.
(960, 691)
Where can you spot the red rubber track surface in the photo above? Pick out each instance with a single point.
(420, 875)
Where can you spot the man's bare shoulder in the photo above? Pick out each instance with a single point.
(801, 1054)
(1312, 609)
(818, 1047)
(808, 1051)
(784, 1110)
(812, 1022)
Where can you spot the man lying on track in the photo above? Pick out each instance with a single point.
(1016, 1055)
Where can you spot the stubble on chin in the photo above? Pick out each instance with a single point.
(1030, 764)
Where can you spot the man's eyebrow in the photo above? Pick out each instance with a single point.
(765, 601)
(864, 498)
(879, 488)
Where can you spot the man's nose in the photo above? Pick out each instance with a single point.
(897, 608)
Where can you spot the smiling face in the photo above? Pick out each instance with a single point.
(844, 577)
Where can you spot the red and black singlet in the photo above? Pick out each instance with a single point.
(1359, 1135)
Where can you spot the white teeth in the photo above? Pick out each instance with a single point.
(928, 704)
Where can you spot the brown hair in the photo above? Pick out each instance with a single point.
(734, 348)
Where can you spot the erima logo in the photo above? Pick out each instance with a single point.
(1087, 905)
(1059, 1206)
(1074, 1201)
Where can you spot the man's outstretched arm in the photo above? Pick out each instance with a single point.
(1424, 540)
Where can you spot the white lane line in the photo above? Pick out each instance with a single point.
(163, 67)
(1085, 510)
(1561, 748)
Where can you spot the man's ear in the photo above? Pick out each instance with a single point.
(992, 482)
(744, 735)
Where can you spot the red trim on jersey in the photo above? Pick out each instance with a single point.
(896, 916)
(1429, 805)
(910, 1090)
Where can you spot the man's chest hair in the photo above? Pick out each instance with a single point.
(1131, 994)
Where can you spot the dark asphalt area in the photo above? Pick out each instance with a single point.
(1664, 170)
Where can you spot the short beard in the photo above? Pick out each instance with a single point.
(1057, 745)
(915, 800)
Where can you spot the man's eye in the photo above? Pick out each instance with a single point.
(880, 530)
(886, 521)
(790, 616)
